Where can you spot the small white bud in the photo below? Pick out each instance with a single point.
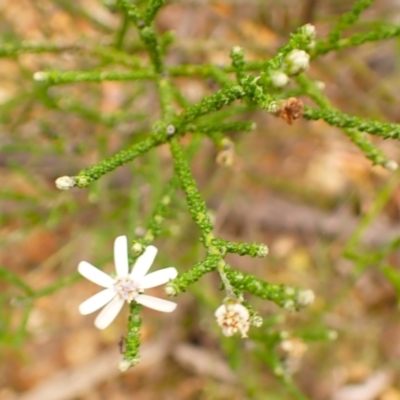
(297, 61)
(40, 76)
(262, 251)
(272, 107)
(289, 291)
(289, 305)
(236, 50)
(305, 298)
(170, 290)
(137, 248)
(124, 365)
(309, 30)
(391, 165)
(65, 182)
(170, 130)
(256, 321)
(279, 79)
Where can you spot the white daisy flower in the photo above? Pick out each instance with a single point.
(126, 286)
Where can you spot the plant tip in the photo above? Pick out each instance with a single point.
(65, 182)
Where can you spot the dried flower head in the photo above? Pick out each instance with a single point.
(233, 317)
(291, 109)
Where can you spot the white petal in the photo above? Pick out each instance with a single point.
(155, 303)
(97, 301)
(158, 278)
(108, 313)
(121, 256)
(220, 312)
(143, 263)
(94, 274)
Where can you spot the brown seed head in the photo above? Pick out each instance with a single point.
(291, 109)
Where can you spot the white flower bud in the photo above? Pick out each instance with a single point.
(137, 248)
(124, 365)
(279, 79)
(170, 130)
(305, 298)
(236, 50)
(256, 321)
(65, 182)
(170, 290)
(289, 305)
(297, 61)
(273, 107)
(262, 251)
(391, 165)
(309, 30)
(40, 76)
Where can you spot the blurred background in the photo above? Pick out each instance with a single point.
(302, 189)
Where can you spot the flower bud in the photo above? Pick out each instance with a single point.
(391, 165)
(124, 365)
(65, 182)
(40, 76)
(279, 79)
(309, 30)
(137, 248)
(170, 130)
(297, 61)
(305, 298)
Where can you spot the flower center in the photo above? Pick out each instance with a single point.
(126, 288)
(232, 319)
